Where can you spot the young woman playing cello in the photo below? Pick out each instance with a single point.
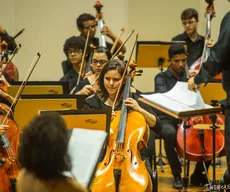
(109, 80)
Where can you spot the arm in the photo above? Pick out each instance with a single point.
(160, 84)
(6, 96)
(150, 118)
(219, 54)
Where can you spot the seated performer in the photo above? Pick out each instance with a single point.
(100, 56)
(109, 80)
(87, 22)
(73, 48)
(164, 82)
(43, 157)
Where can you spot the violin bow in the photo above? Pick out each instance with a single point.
(83, 58)
(124, 74)
(23, 84)
(117, 40)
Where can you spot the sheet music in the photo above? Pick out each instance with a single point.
(85, 147)
(178, 99)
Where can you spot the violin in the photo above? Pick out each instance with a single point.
(8, 152)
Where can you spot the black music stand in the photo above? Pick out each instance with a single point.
(185, 115)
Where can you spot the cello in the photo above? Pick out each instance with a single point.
(122, 169)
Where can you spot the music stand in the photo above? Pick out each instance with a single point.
(88, 119)
(29, 105)
(153, 54)
(185, 115)
(40, 87)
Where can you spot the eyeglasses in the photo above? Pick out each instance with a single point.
(75, 51)
(90, 27)
(188, 22)
(101, 62)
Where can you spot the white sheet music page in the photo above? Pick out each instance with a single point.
(84, 149)
(178, 99)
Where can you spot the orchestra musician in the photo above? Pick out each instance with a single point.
(43, 154)
(87, 22)
(109, 80)
(73, 48)
(164, 82)
(218, 62)
(100, 56)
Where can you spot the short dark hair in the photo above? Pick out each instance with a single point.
(189, 14)
(175, 49)
(43, 147)
(115, 64)
(82, 18)
(101, 49)
(74, 42)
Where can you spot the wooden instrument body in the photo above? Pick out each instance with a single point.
(134, 175)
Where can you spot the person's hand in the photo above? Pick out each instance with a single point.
(3, 81)
(2, 31)
(210, 43)
(130, 102)
(193, 72)
(106, 31)
(3, 94)
(90, 73)
(191, 84)
(3, 129)
(87, 90)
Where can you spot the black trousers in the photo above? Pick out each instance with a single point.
(168, 134)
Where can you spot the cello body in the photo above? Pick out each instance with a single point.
(133, 173)
(196, 149)
(9, 169)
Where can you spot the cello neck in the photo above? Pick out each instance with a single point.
(122, 123)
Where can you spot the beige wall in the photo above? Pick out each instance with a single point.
(49, 22)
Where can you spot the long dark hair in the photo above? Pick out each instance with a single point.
(43, 147)
(115, 64)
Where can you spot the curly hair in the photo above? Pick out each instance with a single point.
(43, 147)
(74, 42)
(115, 64)
(189, 14)
(82, 18)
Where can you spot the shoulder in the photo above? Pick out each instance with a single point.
(161, 75)
(179, 37)
(92, 102)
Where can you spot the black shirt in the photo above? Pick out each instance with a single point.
(219, 59)
(70, 77)
(81, 85)
(165, 81)
(194, 49)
